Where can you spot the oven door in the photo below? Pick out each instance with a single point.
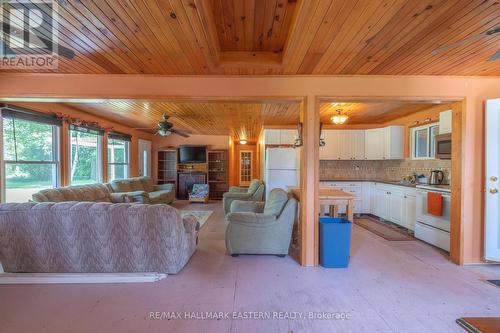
(440, 222)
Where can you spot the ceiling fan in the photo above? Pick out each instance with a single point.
(471, 39)
(166, 128)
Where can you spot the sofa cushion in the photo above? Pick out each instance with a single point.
(122, 185)
(161, 196)
(91, 192)
(147, 183)
(276, 202)
(53, 195)
(136, 184)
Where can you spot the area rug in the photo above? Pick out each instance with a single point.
(201, 215)
(380, 229)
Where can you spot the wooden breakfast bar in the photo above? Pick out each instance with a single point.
(333, 199)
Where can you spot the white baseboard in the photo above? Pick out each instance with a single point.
(72, 278)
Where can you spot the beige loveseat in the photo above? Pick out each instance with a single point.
(143, 190)
(139, 189)
(94, 237)
(91, 192)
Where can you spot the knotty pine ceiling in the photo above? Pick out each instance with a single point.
(260, 37)
(241, 120)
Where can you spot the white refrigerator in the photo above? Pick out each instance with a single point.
(282, 168)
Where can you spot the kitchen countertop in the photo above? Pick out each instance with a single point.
(442, 187)
(390, 182)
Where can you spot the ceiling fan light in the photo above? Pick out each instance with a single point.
(164, 132)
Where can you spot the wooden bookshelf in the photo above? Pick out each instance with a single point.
(217, 173)
(167, 166)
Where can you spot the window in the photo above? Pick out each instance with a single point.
(86, 152)
(30, 154)
(118, 156)
(423, 141)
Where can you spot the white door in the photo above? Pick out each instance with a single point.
(492, 209)
(144, 157)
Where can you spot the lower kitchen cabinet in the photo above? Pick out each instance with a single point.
(395, 203)
(410, 211)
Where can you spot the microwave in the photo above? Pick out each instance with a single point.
(443, 146)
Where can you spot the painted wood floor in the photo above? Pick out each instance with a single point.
(389, 287)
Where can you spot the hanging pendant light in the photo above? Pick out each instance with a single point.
(339, 118)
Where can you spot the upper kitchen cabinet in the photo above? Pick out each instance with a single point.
(374, 144)
(331, 149)
(280, 136)
(445, 122)
(384, 143)
(343, 145)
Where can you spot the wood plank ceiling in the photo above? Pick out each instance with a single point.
(259, 37)
(239, 120)
(372, 112)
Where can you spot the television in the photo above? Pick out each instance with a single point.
(192, 154)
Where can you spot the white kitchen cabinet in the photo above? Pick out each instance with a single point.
(374, 144)
(382, 203)
(410, 211)
(394, 143)
(272, 137)
(357, 139)
(288, 136)
(445, 122)
(330, 151)
(394, 203)
(396, 206)
(280, 136)
(384, 143)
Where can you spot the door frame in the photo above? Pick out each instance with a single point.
(458, 107)
(489, 182)
(240, 182)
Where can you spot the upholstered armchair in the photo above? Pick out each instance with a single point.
(254, 192)
(261, 228)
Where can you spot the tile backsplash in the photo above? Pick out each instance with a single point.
(393, 170)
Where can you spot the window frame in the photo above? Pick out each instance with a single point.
(110, 164)
(56, 157)
(413, 141)
(100, 163)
